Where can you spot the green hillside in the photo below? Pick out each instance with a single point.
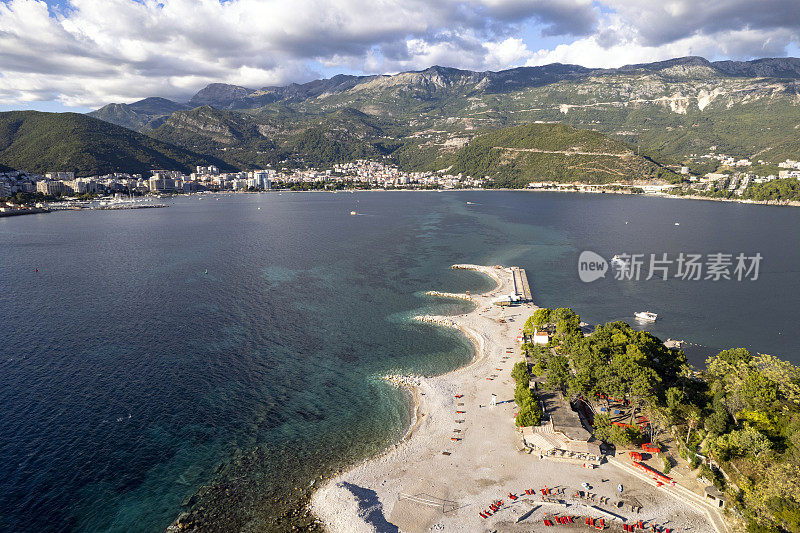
(71, 142)
(276, 134)
(517, 155)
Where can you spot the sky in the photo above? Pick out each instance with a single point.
(77, 55)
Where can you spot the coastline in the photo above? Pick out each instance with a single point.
(461, 453)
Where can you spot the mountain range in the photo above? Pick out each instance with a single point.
(666, 113)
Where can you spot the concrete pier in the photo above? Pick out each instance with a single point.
(521, 286)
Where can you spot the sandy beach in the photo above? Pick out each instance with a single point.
(462, 454)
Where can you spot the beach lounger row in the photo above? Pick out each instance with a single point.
(493, 508)
(597, 523)
(641, 525)
(559, 520)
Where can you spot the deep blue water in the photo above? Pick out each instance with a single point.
(128, 374)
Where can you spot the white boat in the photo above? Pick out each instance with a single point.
(646, 315)
(353, 213)
(617, 260)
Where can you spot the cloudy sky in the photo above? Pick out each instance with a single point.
(80, 54)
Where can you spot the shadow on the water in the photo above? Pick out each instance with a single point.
(371, 508)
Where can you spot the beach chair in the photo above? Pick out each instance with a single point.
(548, 523)
(482, 515)
(589, 521)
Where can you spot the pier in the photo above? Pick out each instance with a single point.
(521, 286)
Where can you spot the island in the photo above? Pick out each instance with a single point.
(556, 423)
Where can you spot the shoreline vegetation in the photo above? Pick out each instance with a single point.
(727, 426)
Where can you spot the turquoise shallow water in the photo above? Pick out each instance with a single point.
(129, 376)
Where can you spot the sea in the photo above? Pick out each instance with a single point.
(221, 354)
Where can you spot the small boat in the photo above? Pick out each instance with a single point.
(469, 203)
(206, 272)
(677, 223)
(353, 213)
(646, 315)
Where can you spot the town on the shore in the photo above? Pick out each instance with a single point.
(22, 191)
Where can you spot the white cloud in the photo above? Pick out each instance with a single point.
(639, 32)
(91, 52)
(95, 51)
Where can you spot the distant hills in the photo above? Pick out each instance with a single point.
(143, 115)
(433, 119)
(72, 142)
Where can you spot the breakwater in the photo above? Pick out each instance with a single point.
(438, 320)
(454, 295)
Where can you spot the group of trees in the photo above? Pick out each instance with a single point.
(786, 189)
(564, 319)
(530, 412)
(29, 198)
(750, 405)
(742, 411)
